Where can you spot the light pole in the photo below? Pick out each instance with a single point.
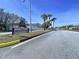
(30, 17)
(30, 14)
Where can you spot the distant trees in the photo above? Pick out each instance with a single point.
(47, 21)
(37, 25)
(70, 27)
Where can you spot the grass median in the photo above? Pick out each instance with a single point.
(9, 40)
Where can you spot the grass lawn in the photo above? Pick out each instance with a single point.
(10, 40)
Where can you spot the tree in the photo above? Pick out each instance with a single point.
(44, 17)
(13, 17)
(49, 16)
(22, 23)
(1, 19)
(6, 21)
(1, 24)
(53, 20)
(46, 24)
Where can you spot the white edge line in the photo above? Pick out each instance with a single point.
(26, 41)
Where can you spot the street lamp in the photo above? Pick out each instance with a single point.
(29, 14)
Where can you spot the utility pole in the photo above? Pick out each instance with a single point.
(30, 18)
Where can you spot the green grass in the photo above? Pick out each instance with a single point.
(9, 43)
(75, 30)
(8, 40)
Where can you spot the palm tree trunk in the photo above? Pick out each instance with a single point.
(53, 24)
(44, 25)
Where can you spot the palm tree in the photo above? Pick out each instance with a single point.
(53, 20)
(49, 16)
(45, 17)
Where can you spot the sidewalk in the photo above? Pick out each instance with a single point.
(4, 33)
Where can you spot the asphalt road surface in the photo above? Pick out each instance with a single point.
(52, 45)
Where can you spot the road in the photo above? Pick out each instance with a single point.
(52, 45)
(5, 33)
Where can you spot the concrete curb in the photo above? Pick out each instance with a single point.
(2, 45)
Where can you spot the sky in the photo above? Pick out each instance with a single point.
(66, 11)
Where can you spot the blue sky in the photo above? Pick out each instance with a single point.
(66, 11)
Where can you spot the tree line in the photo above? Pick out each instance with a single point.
(9, 20)
(70, 27)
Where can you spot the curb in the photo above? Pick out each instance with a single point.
(9, 43)
(2, 45)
